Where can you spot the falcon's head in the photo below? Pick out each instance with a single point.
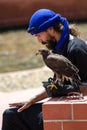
(43, 52)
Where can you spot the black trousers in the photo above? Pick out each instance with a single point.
(29, 119)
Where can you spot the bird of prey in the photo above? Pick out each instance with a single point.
(60, 65)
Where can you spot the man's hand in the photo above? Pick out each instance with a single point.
(22, 105)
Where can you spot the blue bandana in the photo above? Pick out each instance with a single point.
(64, 35)
(43, 19)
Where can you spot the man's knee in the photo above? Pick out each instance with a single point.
(9, 114)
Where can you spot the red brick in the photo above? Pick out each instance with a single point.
(52, 126)
(56, 111)
(63, 114)
(80, 111)
(75, 126)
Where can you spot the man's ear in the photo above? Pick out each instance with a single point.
(51, 31)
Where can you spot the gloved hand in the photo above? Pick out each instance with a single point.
(60, 89)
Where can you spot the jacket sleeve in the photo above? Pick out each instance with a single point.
(78, 56)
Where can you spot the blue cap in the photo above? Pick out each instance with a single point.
(42, 19)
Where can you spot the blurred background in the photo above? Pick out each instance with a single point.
(17, 47)
(20, 69)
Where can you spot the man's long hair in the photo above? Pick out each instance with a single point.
(73, 28)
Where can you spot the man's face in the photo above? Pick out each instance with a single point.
(47, 39)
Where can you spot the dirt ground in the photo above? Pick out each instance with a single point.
(22, 80)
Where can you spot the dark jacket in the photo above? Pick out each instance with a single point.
(76, 51)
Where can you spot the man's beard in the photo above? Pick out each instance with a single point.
(51, 43)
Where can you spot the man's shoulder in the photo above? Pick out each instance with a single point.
(76, 44)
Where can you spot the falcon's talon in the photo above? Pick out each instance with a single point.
(63, 78)
(52, 86)
(66, 78)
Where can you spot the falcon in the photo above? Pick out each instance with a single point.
(60, 65)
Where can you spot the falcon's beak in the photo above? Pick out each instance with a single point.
(38, 52)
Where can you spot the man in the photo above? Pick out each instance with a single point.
(52, 30)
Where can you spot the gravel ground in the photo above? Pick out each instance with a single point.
(21, 80)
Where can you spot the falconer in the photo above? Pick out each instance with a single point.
(53, 31)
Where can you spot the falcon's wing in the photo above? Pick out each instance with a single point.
(69, 63)
(61, 64)
(56, 63)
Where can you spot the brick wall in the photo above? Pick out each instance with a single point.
(64, 114)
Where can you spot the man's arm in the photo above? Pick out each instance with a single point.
(25, 105)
